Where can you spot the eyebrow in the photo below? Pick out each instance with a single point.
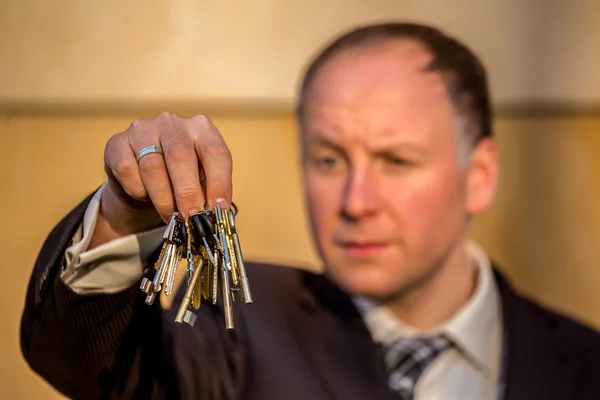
(321, 140)
(394, 148)
(384, 149)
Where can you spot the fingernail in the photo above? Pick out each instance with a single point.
(221, 201)
(193, 211)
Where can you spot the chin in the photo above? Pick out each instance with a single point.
(373, 281)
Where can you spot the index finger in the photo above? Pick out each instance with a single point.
(216, 160)
(181, 163)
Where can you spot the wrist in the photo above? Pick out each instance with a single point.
(117, 219)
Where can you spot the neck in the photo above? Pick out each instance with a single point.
(440, 295)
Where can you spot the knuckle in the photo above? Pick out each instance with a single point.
(138, 124)
(112, 142)
(187, 194)
(220, 188)
(221, 185)
(216, 149)
(125, 168)
(112, 145)
(201, 120)
(137, 193)
(164, 205)
(152, 163)
(180, 151)
(167, 116)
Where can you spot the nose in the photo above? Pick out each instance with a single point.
(361, 196)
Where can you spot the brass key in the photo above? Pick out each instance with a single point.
(178, 242)
(184, 314)
(210, 244)
(166, 264)
(221, 234)
(230, 249)
(215, 280)
(203, 229)
(148, 286)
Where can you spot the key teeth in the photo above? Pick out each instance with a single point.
(189, 318)
(146, 285)
(150, 299)
(236, 295)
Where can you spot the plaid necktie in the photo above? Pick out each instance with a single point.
(407, 358)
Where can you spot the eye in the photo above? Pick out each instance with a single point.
(396, 161)
(329, 161)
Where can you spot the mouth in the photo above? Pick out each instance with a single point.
(363, 249)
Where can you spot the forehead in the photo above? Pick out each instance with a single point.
(376, 82)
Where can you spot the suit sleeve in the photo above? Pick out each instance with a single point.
(113, 345)
(112, 266)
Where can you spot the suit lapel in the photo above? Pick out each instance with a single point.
(337, 344)
(538, 364)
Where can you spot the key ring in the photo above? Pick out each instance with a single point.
(209, 243)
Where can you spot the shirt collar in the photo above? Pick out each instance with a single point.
(474, 329)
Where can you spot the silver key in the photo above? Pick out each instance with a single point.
(147, 285)
(210, 244)
(183, 314)
(166, 265)
(244, 283)
(225, 292)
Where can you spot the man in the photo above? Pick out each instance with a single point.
(397, 156)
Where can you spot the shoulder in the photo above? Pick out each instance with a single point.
(532, 314)
(277, 280)
(573, 338)
(566, 326)
(283, 273)
(548, 335)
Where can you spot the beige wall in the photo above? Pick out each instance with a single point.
(115, 56)
(73, 49)
(543, 228)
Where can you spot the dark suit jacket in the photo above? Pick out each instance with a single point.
(301, 339)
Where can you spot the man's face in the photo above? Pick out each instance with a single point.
(385, 190)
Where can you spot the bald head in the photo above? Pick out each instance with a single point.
(452, 64)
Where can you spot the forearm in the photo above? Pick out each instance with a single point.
(79, 342)
(91, 333)
(85, 344)
(118, 218)
(112, 266)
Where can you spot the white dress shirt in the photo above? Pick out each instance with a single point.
(468, 371)
(112, 266)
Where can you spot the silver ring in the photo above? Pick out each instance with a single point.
(148, 150)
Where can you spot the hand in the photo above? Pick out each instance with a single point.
(195, 167)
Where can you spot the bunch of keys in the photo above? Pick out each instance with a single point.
(210, 243)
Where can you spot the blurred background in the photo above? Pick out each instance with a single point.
(73, 73)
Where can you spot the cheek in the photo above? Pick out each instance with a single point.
(427, 202)
(323, 197)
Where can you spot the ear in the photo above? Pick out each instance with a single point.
(482, 179)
